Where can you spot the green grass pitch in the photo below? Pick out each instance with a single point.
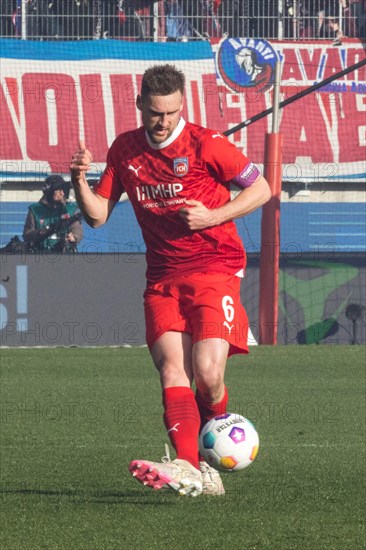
(72, 419)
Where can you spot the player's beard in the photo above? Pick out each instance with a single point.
(159, 134)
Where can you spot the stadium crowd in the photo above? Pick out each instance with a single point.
(182, 19)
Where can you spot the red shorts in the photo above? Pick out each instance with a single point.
(206, 305)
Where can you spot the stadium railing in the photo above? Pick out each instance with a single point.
(168, 20)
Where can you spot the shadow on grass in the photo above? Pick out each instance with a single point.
(83, 496)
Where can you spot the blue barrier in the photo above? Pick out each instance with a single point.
(307, 227)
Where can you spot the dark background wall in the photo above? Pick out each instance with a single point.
(97, 299)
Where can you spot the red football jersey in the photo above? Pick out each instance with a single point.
(194, 163)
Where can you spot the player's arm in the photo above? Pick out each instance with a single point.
(197, 216)
(229, 164)
(95, 208)
(248, 200)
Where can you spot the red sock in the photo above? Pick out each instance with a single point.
(182, 421)
(208, 410)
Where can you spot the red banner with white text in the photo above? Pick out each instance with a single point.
(54, 94)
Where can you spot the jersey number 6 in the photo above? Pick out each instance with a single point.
(227, 306)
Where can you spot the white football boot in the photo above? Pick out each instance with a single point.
(211, 480)
(178, 475)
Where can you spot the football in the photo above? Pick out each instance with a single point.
(229, 442)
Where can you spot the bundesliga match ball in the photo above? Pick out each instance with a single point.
(229, 442)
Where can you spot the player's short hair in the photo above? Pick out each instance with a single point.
(162, 80)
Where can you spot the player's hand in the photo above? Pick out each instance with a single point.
(81, 159)
(196, 215)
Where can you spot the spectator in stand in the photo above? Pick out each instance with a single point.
(140, 21)
(194, 19)
(132, 26)
(177, 26)
(295, 17)
(263, 19)
(192, 12)
(17, 18)
(355, 15)
(235, 19)
(307, 20)
(328, 18)
(322, 19)
(121, 19)
(7, 10)
(42, 20)
(75, 18)
(105, 18)
(213, 26)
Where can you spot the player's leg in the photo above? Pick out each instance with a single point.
(171, 354)
(209, 359)
(220, 329)
(170, 346)
(171, 351)
(209, 362)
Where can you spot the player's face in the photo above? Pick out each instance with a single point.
(160, 114)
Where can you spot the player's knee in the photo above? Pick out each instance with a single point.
(210, 384)
(172, 375)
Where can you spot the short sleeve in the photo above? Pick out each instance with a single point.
(109, 185)
(222, 156)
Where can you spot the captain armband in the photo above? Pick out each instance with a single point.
(247, 176)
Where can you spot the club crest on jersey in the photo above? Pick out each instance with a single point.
(180, 166)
